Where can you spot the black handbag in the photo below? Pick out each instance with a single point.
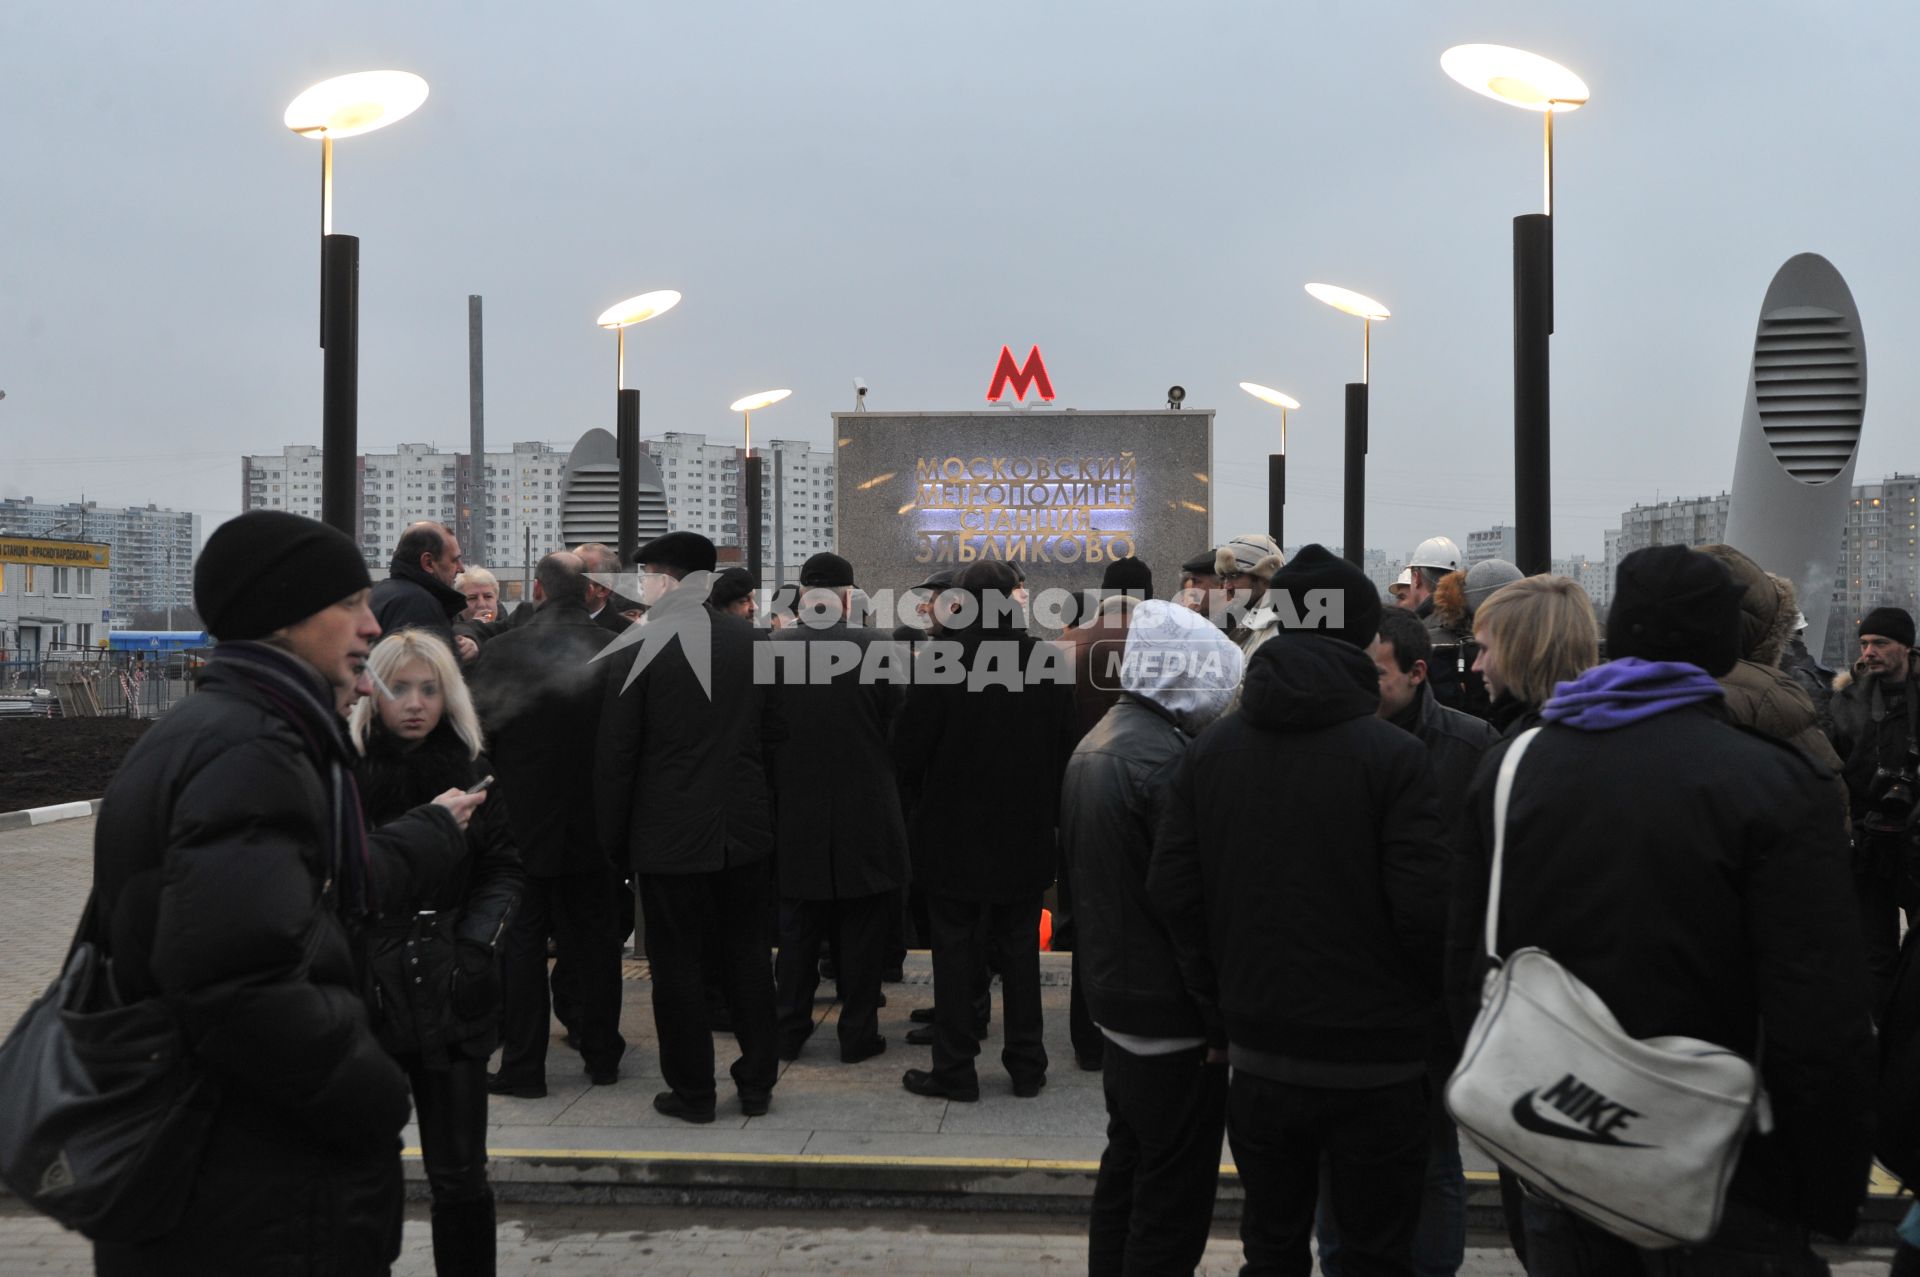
(103, 1112)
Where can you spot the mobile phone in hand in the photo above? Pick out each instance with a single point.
(484, 782)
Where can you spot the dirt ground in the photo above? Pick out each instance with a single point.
(61, 760)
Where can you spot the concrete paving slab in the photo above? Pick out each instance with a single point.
(1055, 1111)
(849, 1109)
(631, 1105)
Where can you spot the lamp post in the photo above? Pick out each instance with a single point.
(1276, 461)
(1533, 83)
(1354, 517)
(344, 106)
(750, 471)
(621, 316)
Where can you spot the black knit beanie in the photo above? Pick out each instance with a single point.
(267, 569)
(1353, 614)
(1889, 622)
(1130, 575)
(1675, 604)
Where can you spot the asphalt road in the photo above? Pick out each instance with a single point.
(680, 1241)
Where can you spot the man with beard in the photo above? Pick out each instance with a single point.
(1871, 721)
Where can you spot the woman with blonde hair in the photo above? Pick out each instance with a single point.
(1533, 634)
(434, 959)
(482, 590)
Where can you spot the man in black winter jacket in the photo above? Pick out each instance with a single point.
(842, 843)
(1873, 721)
(980, 747)
(681, 787)
(1302, 873)
(1690, 873)
(538, 688)
(418, 592)
(231, 869)
(1166, 1092)
(1455, 740)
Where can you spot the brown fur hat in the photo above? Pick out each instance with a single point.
(1450, 601)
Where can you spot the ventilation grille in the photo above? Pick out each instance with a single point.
(1806, 375)
(590, 507)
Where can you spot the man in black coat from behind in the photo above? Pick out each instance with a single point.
(418, 592)
(1301, 872)
(1166, 1092)
(1691, 874)
(681, 787)
(842, 844)
(538, 689)
(981, 746)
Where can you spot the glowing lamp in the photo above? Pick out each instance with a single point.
(747, 405)
(623, 315)
(639, 309)
(1345, 299)
(349, 105)
(1521, 79)
(1357, 304)
(1267, 394)
(1516, 77)
(758, 400)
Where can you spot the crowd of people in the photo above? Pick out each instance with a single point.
(402, 826)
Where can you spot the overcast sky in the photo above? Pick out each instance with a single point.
(894, 188)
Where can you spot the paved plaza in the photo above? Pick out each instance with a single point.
(995, 1187)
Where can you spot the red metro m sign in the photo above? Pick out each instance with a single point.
(1033, 373)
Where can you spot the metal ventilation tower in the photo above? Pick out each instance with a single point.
(1800, 435)
(590, 499)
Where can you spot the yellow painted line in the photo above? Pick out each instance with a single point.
(788, 1159)
(1882, 1184)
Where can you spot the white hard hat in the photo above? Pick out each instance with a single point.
(1439, 553)
(1404, 580)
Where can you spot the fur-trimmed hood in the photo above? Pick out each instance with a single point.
(1768, 606)
(1450, 602)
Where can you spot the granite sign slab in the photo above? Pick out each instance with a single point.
(1061, 493)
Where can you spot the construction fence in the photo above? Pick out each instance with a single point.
(70, 681)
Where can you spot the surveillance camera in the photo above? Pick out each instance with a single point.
(859, 386)
(1176, 395)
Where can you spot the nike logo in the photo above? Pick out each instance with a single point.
(1589, 1117)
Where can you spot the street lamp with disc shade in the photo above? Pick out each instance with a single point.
(1276, 461)
(621, 316)
(1532, 83)
(1366, 310)
(746, 406)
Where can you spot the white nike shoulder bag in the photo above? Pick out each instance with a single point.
(1640, 1136)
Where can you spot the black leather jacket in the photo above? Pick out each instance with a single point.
(1109, 806)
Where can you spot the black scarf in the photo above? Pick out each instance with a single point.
(395, 779)
(298, 695)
